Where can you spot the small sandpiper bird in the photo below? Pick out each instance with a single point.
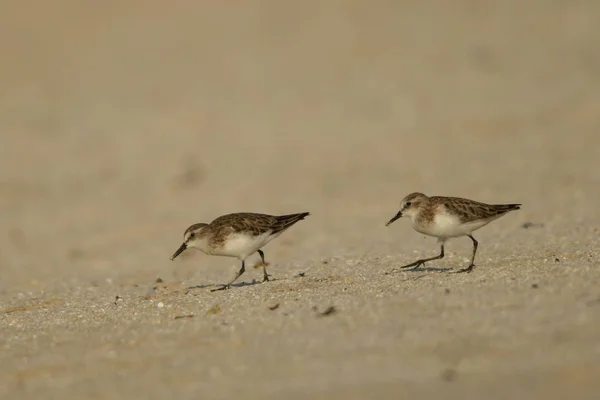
(448, 217)
(237, 235)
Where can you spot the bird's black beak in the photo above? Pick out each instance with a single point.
(180, 250)
(399, 215)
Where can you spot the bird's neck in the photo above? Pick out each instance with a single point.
(202, 244)
(417, 218)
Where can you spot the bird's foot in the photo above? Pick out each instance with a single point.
(415, 265)
(222, 287)
(468, 270)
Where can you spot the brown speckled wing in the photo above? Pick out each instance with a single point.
(282, 222)
(251, 223)
(470, 210)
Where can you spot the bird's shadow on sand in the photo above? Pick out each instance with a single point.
(420, 269)
(234, 285)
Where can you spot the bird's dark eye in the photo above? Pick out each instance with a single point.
(408, 204)
(192, 235)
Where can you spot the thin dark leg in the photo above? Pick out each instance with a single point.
(472, 263)
(228, 285)
(418, 263)
(264, 265)
(262, 255)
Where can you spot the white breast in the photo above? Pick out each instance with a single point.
(241, 246)
(447, 225)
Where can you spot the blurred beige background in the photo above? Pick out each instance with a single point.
(123, 122)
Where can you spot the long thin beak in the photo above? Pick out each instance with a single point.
(399, 215)
(180, 250)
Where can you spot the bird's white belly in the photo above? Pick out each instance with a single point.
(241, 246)
(447, 226)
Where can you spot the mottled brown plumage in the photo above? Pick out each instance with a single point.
(250, 224)
(470, 210)
(448, 217)
(238, 235)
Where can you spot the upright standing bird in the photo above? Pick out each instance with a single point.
(448, 217)
(237, 235)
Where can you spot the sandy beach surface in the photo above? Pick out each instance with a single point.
(124, 122)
